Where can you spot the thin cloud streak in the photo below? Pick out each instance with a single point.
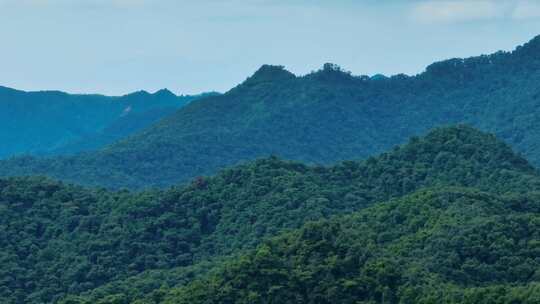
(71, 4)
(455, 11)
(459, 11)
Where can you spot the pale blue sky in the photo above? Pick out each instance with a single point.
(119, 46)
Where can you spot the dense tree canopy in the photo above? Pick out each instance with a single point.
(60, 240)
(447, 245)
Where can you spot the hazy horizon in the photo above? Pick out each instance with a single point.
(116, 47)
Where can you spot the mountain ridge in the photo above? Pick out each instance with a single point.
(319, 118)
(529, 48)
(71, 117)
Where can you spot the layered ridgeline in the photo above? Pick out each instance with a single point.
(54, 122)
(320, 118)
(115, 247)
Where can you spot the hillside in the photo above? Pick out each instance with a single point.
(116, 130)
(46, 121)
(434, 246)
(59, 239)
(320, 118)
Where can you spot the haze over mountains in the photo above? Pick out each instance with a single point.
(320, 118)
(53, 122)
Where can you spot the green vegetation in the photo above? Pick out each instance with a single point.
(435, 246)
(56, 122)
(98, 246)
(320, 118)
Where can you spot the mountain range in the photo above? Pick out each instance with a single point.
(320, 118)
(322, 188)
(53, 122)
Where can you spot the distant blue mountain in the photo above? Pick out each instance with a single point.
(52, 122)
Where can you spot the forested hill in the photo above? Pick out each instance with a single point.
(46, 121)
(436, 246)
(323, 117)
(57, 240)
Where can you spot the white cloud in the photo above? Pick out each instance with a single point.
(526, 10)
(456, 11)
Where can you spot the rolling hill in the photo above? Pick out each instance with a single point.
(60, 240)
(434, 246)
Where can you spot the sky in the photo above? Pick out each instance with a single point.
(115, 47)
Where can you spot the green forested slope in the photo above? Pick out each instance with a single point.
(115, 131)
(320, 118)
(59, 239)
(447, 245)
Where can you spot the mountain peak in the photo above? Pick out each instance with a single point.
(141, 93)
(270, 73)
(468, 143)
(164, 93)
(331, 72)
